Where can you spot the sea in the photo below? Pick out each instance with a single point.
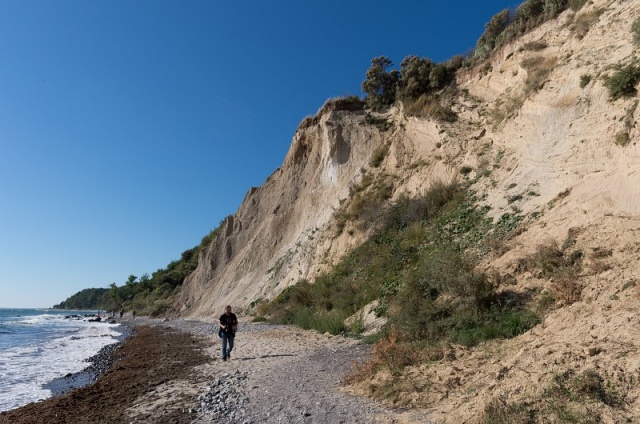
(40, 345)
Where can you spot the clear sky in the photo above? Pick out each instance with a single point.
(130, 128)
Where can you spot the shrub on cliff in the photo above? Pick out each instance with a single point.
(530, 12)
(623, 82)
(420, 76)
(487, 41)
(380, 85)
(505, 26)
(553, 8)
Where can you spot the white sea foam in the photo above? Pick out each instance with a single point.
(25, 368)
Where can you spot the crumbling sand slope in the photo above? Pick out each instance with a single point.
(548, 152)
(553, 156)
(285, 229)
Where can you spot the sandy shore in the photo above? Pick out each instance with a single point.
(171, 372)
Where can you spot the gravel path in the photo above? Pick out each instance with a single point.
(282, 374)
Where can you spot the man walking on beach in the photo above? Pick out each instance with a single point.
(228, 326)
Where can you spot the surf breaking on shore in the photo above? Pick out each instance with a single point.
(39, 345)
(171, 372)
(148, 358)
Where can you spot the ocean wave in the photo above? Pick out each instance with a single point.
(58, 348)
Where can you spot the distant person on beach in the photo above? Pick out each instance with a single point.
(228, 327)
(121, 313)
(134, 314)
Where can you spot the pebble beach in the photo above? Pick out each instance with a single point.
(171, 372)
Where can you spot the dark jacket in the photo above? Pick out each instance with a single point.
(230, 323)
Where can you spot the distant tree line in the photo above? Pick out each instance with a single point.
(148, 294)
(87, 299)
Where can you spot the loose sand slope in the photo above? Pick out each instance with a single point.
(551, 154)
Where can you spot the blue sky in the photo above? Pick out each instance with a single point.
(130, 129)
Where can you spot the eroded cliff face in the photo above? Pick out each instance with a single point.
(285, 230)
(535, 140)
(275, 237)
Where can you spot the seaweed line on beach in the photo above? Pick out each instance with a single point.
(171, 372)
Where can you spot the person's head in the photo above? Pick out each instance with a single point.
(228, 309)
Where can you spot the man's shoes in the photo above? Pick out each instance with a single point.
(224, 358)
(229, 355)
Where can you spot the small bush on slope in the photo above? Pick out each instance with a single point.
(623, 82)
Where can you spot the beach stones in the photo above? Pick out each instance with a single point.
(225, 398)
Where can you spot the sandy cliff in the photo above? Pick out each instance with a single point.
(539, 142)
(557, 138)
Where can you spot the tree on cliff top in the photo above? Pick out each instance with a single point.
(380, 86)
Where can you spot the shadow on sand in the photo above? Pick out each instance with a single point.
(263, 356)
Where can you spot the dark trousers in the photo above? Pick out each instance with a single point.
(226, 339)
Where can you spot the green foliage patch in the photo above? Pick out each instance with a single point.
(622, 83)
(417, 77)
(420, 265)
(585, 79)
(622, 138)
(635, 31)
(420, 76)
(380, 85)
(506, 26)
(365, 200)
(496, 26)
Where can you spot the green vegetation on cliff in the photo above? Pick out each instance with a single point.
(420, 265)
(147, 295)
(420, 83)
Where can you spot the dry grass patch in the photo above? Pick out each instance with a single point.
(538, 69)
(499, 411)
(378, 155)
(567, 289)
(571, 397)
(387, 353)
(535, 46)
(584, 21)
(560, 266)
(506, 108)
(431, 106)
